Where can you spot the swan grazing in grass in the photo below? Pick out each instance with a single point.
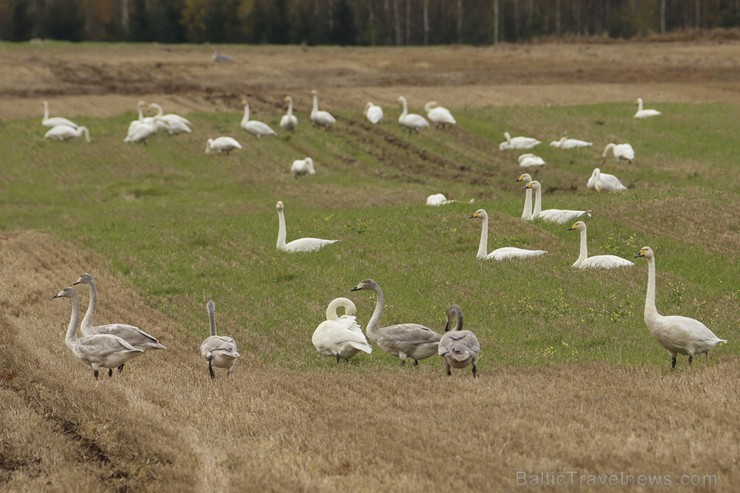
(141, 119)
(527, 211)
(504, 253)
(340, 337)
(171, 123)
(597, 261)
(255, 127)
(679, 335)
(620, 151)
(133, 335)
(299, 245)
(218, 351)
(53, 122)
(322, 119)
(440, 116)
(63, 133)
(559, 216)
(302, 167)
(373, 113)
(96, 351)
(289, 121)
(641, 113)
(223, 145)
(459, 348)
(518, 142)
(411, 121)
(402, 340)
(566, 143)
(603, 181)
(141, 132)
(530, 160)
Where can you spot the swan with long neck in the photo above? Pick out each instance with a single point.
(504, 253)
(299, 245)
(319, 118)
(99, 350)
(58, 120)
(141, 119)
(218, 351)
(289, 121)
(170, 117)
(679, 335)
(373, 113)
(63, 133)
(597, 261)
(340, 337)
(440, 116)
(404, 341)
(223, 145)
(645, 113)
(559, 216)
(411, 121)
(255, 127)
(566, 143)
(620, 151)
(530, 160)
(518, 142)
(458, 348)
(527, 211)
(603, 181)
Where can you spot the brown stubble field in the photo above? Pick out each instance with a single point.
(164, 426)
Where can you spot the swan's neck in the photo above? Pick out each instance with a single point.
(405, 108)
(372, 325)
(508, 137)
(639, 105)
(583, 255)
(459, 323)
(71, 338)
(290, 107)
(315, 104)
(483, 245)
(650, 310)
(46, 110)
(212, 319)
(607, 149)
(246, 112)
(527, 212)
(84, 130)
(282, 232)
(159, 109)
(87, 322)
(537, 202)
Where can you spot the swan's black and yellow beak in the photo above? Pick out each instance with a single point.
(355, 289)
(639, 255)
(571, 229)
(473, 215)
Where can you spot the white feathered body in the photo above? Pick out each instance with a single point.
(530, 160)
(682, 335)
(341, 337)
(603, 262)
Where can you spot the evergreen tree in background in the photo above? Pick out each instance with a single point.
(64, 21)
(21, 23)
(344, 32)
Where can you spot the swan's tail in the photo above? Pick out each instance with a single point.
(361, 347)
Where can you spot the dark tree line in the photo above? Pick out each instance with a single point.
(355, 22)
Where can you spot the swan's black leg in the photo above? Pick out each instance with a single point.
(449, 370)
(337, 358)
(416, 363)
(210, 369)
(475, 371)
(673, 362)
(110, 372)
(95, 373)
(403, 362)
(120, 368)
(691, 359)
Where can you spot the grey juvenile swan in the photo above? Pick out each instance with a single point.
(459, 348)
(219, 351)
(403, 340)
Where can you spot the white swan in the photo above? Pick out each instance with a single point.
(223, 145)
(63, 133)
(340, 337)
(96, 351)
(597, 261)
(559, 216)
(566, 143)
(679, 335)
(302, 167)
(527, 211)
(437, 199)
(170, 117)
(373, 113)
(641, 113)
(518, 142)
(411, 121)
(133, 335)
(299, 245)
(407, 340)
(620, 151)
(603, 181)
(218, 351)
(322, 119)
(141, 119)
(440, 116)
(289, 121)
(504, 253)
(530, 160)
(141, 132)
(459, 348)
(255, 127)
(58, 120)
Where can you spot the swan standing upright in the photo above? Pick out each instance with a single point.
(566, 143)
(64, 133)
(603, 181)
(518, 142)
(405, 341)
(223, 145)
(322, 119)
(218, 351)
(373, 113)
(458, 348)
(679, 335)
(641, 113)
(411, 121)
(504, 253)
(530, 160)
(340, 337)
(96, 351)
(527, 211)
(302, 167)
(559, 216)
(58, 120)
(255, 127)
(299, 245)
(289, 121)
(620, 151)
(440, 116)
(597, 261)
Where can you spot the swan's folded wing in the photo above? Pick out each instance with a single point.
(103, 345)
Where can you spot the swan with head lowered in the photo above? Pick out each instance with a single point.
(302, 167)
(99, 350)
(679, 335)
(373, 113)
(643, 113)
(603, 181)
(133, 335)
(289, 121)
(255, 127)
(404, 341)
(518, 142)
(597, 261)
(411, 121)
(620, 151)
(64, 133)
(529, 160)
(171, 123)
(218, 351)
(527, 211)
(141, 119)
(340, 337)
(222, 145)
(58, 120)
(559, 216)
(319, 118)
(299, 245)
(566, 143)
(458, 348)
(170, 117)
(440, 116)
(504, 253)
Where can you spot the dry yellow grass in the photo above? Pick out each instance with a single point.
(164, 426)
